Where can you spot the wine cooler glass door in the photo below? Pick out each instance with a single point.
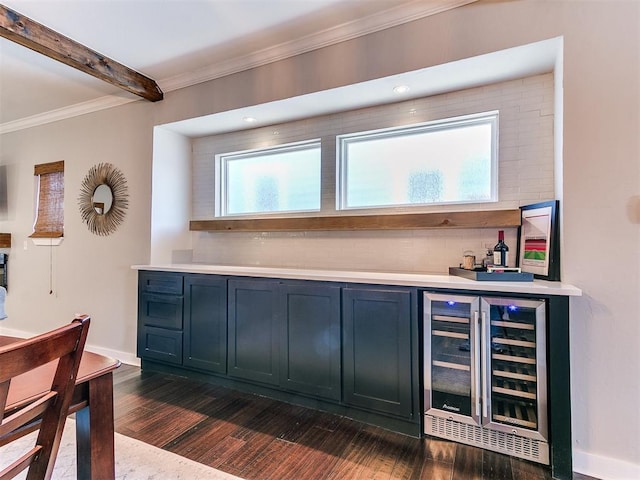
(515, 366)
(452, 357)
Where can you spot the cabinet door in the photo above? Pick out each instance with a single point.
(310, 339)
(253, 330)
(378, 350)
(205, 323)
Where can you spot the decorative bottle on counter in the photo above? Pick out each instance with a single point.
(501, 251)
(487, 261)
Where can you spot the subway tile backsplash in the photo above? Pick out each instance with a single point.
(419, 251)
(525, 175)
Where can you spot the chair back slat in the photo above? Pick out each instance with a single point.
(64, 345)
(23, 462)
(27, 414)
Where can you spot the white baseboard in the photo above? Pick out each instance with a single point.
(604, 468)
(12, 332)
(124, 357)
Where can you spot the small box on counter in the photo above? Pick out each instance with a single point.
(503, 274)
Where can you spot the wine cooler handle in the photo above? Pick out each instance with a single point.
(485, 344)
(476, 360)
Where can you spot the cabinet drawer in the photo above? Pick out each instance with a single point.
(163, 311)
(160, 344)
(169, 283)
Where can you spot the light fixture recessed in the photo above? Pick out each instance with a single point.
(401, 89)
(249, 119)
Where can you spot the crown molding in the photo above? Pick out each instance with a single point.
(347, 31)
(90, 106)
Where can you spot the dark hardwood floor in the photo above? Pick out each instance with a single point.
(257, 438)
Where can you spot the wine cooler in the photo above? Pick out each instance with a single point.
(485, 373)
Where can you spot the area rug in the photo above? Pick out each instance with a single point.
(135, 460)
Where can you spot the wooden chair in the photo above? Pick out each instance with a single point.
(64, 345)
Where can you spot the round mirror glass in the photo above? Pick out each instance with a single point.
(102, 199)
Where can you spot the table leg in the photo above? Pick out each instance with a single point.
(95, 432)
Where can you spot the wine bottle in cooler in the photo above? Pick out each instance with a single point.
(501, 251)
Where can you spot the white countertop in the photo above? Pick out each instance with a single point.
(383, 278)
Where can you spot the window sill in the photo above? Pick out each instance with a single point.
(47, 242)
(412, 221)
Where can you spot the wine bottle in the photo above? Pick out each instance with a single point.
(501, 251)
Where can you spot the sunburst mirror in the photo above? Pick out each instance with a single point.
(103, 199)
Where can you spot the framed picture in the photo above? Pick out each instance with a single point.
(538, 240)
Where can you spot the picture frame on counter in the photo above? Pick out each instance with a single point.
(538, 240)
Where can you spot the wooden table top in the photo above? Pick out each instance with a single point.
(31, 385)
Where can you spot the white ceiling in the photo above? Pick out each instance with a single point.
(183, 42)
(176, 42)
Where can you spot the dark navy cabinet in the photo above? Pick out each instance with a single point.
(347, 349)
(285, 334)
(253, 330)
(310, 339)
(160, 300)
(379, 354)
(205, 323)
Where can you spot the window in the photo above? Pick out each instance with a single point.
(285, 178)
(443, 162)
(49, 221)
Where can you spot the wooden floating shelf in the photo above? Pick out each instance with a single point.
(410, 221)
(5, 240)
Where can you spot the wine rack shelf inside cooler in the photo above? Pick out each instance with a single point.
(513, 366)
(516, 413)
(450, 334)
(514, 358)
(450, 362)
(514, 389)
(515, 371)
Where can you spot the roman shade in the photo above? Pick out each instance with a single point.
(49, 221)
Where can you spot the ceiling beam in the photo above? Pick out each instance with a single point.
(37, 37)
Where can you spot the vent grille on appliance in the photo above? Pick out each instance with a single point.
(521, 447)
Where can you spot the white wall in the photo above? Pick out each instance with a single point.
(601, 190)
(171, 198)
(87, 273)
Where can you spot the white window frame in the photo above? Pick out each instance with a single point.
(343, 141)
(221, 162)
